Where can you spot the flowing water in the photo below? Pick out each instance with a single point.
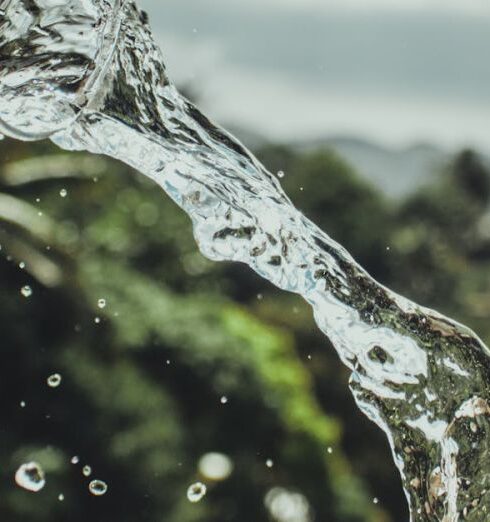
(88, 75)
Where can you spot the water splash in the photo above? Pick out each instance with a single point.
(87, 74)
(30, 476)
(196, 492)
(97, 487)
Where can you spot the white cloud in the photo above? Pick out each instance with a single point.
(473, 7)
(284, 109)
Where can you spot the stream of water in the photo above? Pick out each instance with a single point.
(88, 75)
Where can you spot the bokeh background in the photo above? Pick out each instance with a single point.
(377, 112)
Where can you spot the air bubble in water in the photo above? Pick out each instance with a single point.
(87, 471)
(75, 460)
(97, 488)
(269, 463)
(54, 380)
(30, 476)
(224, 399)
(280, 174)
(61, 497)
(63, 193)
(26, 291)
(101, 303)
(196, 492)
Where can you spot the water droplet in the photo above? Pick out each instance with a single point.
(269, 463)
(22, 265)
(215, 466)
(280, 174)
(87, 471)
(26, 291)
(22, 404)
(375, 500)
(97, 488)
(75, 460)
(260, 297)
(97, 320)
(196, 492)
(224, 399)
(30, 476)
(329, 450)
(61, 497)
(38, 200)
(63, 193)
(54, 380)
(101, 303)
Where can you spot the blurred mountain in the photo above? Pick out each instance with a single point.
(396, 171)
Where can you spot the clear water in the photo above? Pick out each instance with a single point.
(87, 74)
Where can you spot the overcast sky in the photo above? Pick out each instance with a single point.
(396, 71)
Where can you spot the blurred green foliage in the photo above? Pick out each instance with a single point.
(189, 357)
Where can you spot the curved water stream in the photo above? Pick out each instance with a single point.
(88, 75)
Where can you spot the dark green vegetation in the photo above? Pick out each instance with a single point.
(143, 377)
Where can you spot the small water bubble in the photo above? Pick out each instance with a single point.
(54, 380)
(22, 265)
(87, 471)
(101, 303)
(22, 404)
(280, 174)
(97, 487)
(269, 463)
(329, 450)
(63, 193)
(375, 500)
(260, 297)
(97, 320)
(75, 459)
(30, 476)
(38, 200)
(224, 399)
(39, 213)
(61, 497)
(26, 291)
(196, 492)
